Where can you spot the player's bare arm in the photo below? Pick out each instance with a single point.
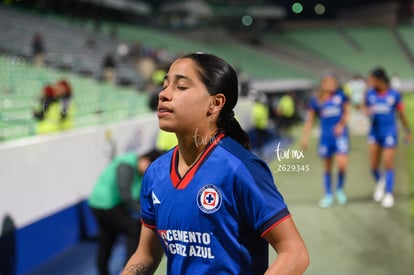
(148, 255)
(137, 269)
(310, 117)
(292, 255)
(339, 128)
(404, 121)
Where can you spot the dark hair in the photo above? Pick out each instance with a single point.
(381, 74)
(152, 155)
(219, 77)
(65, 83)
(328, 73)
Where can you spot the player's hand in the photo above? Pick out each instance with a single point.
(304, 144)
(338, 129)
(408, 138)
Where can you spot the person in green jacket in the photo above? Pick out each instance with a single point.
(114, 202)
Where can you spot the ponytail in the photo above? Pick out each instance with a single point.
(231, 127)
(219, 77)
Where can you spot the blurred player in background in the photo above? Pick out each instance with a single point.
(210, 203)
(330, 105)
(355, 90)
(38, 50)
(395, 82)
(109, 68)
(260, 123)
(382, 106)
(165, 141)
(285, 113)
(115, 203)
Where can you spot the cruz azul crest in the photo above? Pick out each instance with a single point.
(209, 199)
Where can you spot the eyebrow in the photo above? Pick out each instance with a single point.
(178, 77)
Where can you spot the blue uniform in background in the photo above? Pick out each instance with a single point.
(330, 113)
(384, 128)
(383, 109)
(213, 219)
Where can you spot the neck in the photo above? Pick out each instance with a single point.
(324, 94)
(382, 89)
(192, 145)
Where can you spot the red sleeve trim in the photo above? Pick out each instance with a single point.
(275, 224)
(148, 225)
(400, 106)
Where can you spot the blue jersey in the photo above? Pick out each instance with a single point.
(330, 112)
(382, 108)
(212, 220)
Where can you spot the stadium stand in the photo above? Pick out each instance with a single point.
(54, 234)
(95, 102)
(66, 44)
(319, 43)
(377, 42)
(299, 55)
(332, 45)
(253, 61)
(257, 63)
(68, 55)
(407, 32)
(293, 54)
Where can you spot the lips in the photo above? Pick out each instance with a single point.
(164, 110)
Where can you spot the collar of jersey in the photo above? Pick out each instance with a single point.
(329, 98)
(383, 94)
(182, 182)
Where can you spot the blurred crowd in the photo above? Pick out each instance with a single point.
(55, 109)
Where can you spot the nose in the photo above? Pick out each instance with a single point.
(165, 94)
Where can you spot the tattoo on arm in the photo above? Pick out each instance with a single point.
(137, 269)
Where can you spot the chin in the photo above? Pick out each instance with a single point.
(167, 128)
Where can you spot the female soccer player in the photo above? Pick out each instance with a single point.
(210, 201)
(382, 103)
(331, 106)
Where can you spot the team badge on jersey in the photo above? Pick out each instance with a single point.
(209, 199)
(390, 100)
(372, 99)
(337, 100)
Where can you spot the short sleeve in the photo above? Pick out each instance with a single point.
(259, 202)
(366, 101)
(314, 105)
(147, 207)
(398, 102)
(345, 98)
